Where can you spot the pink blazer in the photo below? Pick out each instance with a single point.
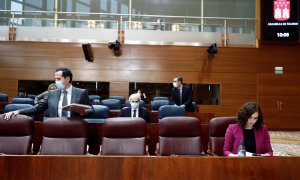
(234, 135)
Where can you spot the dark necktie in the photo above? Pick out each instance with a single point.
(180, 96)
(134, 113)
(64, 103)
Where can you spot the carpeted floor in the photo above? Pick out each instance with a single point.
(285, 143)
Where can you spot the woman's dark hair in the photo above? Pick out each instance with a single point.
(66, 72)
(246, 112)
(140, 90)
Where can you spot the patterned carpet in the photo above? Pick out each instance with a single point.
(285, 143)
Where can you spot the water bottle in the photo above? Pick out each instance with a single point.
(241, 150)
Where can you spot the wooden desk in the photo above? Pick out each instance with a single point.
(158, 168)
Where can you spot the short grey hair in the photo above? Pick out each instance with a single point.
(134, 95)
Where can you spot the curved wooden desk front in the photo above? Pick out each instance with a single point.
(147, 167)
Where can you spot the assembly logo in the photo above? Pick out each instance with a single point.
(281, 10)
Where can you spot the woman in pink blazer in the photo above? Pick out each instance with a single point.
(250, 130)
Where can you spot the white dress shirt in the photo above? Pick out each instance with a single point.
(137, 112)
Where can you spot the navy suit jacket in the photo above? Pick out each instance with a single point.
(187, 98)
(143, 113)
(51, 100)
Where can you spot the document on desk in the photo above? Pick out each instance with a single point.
(250, 154)
(75, 106)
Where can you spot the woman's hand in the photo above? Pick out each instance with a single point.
(8, 115)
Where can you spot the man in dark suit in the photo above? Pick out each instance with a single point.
(65, 94)
(22, 93)
(182, 95)
(134, 110)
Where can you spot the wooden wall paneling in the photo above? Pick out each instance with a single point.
(279, 124)
(271, 101)
(279, 79)
(219, 110)
(279, 90)
(58, 50)
(289, 67)
(194, 77)
(8, 87)
(237, 100)
(203, 66)
(119, 89)
(41, 49)
(72, 63)
(101, 75)
(27, 74)
(279, 97)
(276, 51)
(78, 75)
(168, 53)
(239, 89)
(163, 65)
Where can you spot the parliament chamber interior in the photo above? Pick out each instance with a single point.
(225, 53)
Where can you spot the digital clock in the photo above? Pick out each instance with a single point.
(280, 20)
(286, 34)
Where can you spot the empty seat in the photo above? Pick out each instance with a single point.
(3, 97)
(95, 99)
(155, 105)
(99, 115)
(64, 136)
(16, 135)
(217, 130)
(124, 136)
(141, 104)
(121, 98)
(31, 96)
(170, 110)
(22, 101)
(112, 104)
(179, 136)
(160, 98)
(13, 107)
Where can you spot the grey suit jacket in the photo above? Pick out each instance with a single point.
(51, 100)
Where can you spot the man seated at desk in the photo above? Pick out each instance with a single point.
(134, 110)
